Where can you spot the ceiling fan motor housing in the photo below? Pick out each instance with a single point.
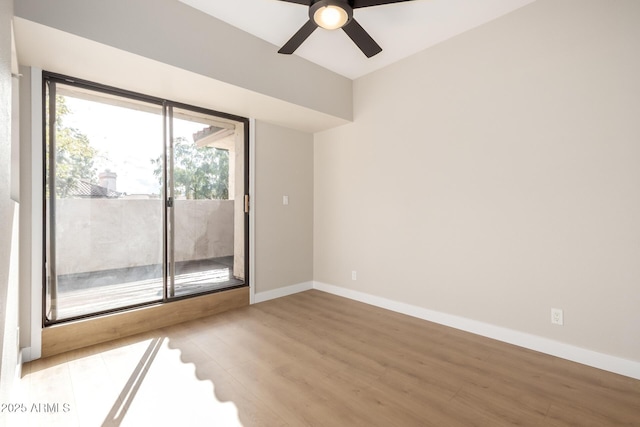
(316, 5)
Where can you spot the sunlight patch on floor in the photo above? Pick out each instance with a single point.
(141, 383)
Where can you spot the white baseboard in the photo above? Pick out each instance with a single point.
(282, 292)
(17, 377)
(603, 361)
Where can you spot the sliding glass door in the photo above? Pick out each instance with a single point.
(144, 200)
(205, 196)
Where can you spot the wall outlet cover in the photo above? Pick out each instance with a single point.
(557, 316)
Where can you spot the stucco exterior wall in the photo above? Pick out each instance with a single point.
(103, 234)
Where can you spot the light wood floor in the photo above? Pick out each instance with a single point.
(317, 359)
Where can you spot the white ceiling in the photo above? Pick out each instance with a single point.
(401, 29)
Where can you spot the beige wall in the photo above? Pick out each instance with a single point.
(9, 212)
(495, 176)
(31, 195)
(283, 234)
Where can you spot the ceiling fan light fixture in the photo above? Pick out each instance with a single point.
(331, 15)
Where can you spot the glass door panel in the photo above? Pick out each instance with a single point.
(144, 199)
(105, 202)
(206, 250)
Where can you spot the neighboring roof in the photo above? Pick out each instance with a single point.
(212, 131)
(216, 137)
(205, 133)
(86, 189)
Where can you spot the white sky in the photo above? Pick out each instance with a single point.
(126, 140)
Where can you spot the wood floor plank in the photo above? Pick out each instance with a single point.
(500, 407)
(251, 411)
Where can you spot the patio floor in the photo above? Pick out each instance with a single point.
(93, 292)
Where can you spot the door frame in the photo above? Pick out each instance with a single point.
(248, 185)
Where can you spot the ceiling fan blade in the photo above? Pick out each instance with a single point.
(299, 37)
(362, 39)
(304, 2)
(367, 3)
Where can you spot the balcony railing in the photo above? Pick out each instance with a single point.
(109, 252)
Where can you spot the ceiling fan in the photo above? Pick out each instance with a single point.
(334, 14)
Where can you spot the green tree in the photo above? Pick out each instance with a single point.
(198, 172)
(74, 154)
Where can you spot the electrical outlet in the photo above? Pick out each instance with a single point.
(354, 275)
(557, 317)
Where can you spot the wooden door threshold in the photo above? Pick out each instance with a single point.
(65, 337)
